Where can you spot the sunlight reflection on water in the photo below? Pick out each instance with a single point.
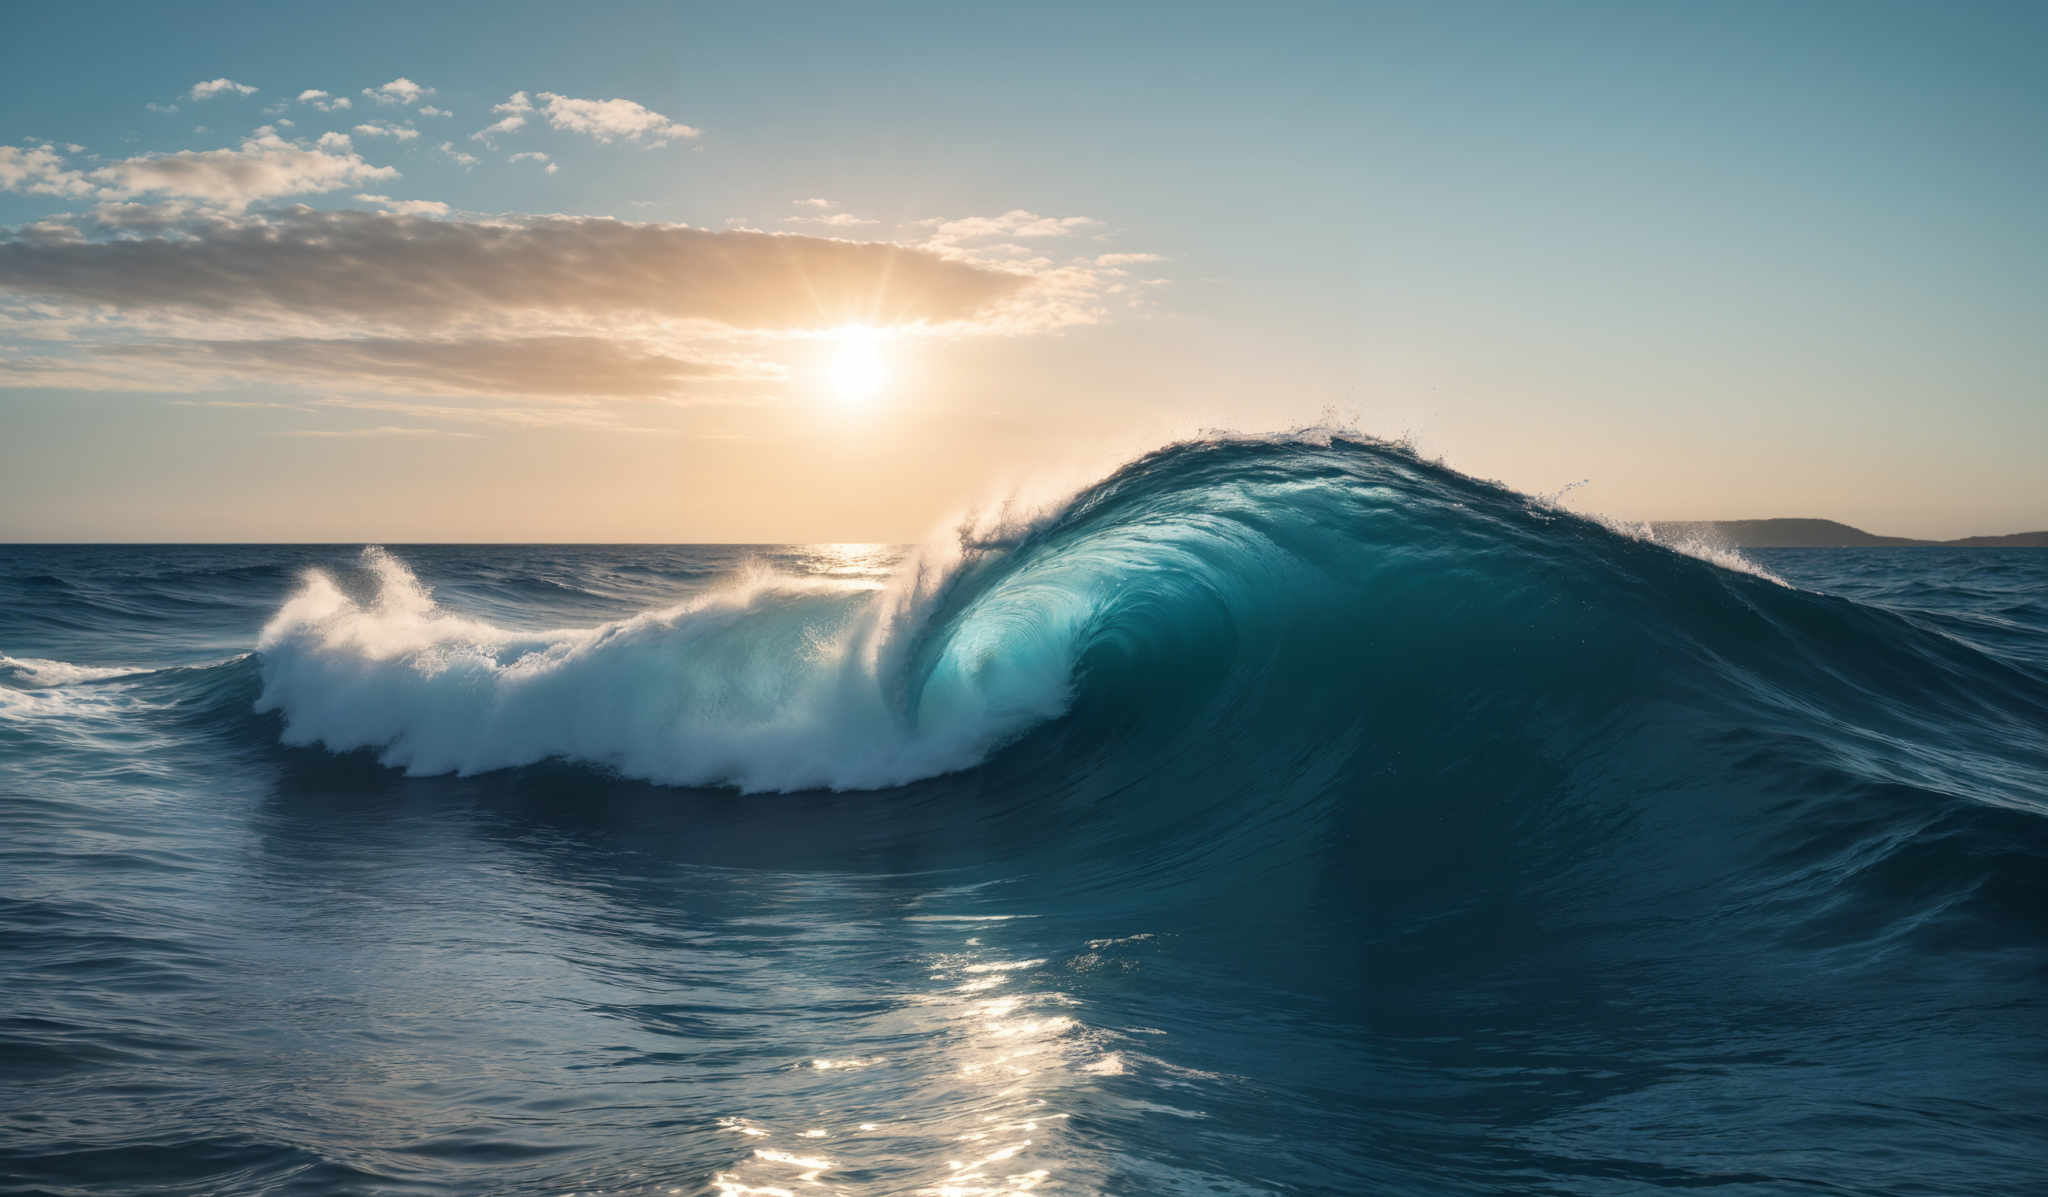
(999, 1056)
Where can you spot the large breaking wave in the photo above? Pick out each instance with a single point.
(1311, 604)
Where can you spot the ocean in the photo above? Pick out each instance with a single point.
(1272, 816)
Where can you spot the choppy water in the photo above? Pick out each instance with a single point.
(1281, 817)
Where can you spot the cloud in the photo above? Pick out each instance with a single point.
(405, 207)
(430, 110)
(821, 212)
(39, 170)
(335, 141)
(264, 167)
(399, 91)
(604, 120)
(324, 102)
(254, 404)
(448, 148)
(528, 156)
(52, 232)
(1081, 290)
(382, 430)
(559, 367)
(377, 129)
(128, 215)
(513, 113)
(1014, 223)
(572, 416)
(153, 106)
(612, 120)
(836, 220)
(221, 86)
(405, 271)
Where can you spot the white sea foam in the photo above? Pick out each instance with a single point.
(1702, 547)
(39, 673)
(768, 683)
(55, 693)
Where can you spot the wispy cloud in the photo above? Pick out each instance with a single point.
(399, 91)
(385, 129)
(511, 116)
(265, 166)
(581, 417)
(604, 120)
(613, 120)
(542, 367)
(217, 87)
(251, 404)
(1014, 223)
(377, 266)
(1083, 289)
(406, 207)
(324, 102)
(836, 220)
(824, 212)
(382, 430)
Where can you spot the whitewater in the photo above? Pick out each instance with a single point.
(1271, 815)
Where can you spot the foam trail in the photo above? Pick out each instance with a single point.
(37, 673)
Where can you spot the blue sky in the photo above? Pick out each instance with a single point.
(1738, 261)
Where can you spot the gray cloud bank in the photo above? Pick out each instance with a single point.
(386, 267)
(566, 309)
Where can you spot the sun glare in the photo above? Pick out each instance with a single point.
(857, 371)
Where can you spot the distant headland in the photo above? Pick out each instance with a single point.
(1822, 534)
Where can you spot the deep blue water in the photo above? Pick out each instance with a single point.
(1269, 818)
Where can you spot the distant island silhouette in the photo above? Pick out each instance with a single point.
(1822, 534)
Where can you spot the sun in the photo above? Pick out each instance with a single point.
(857, 369)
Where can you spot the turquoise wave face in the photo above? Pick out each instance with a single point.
(1356, 599)
(1286, 815)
